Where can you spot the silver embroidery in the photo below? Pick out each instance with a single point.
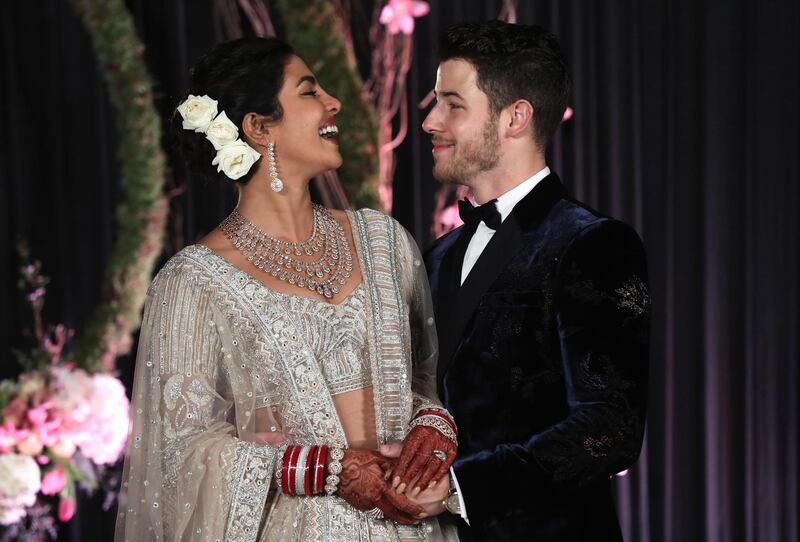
(633, 296)
(274, 356)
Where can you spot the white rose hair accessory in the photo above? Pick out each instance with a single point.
(234, 157)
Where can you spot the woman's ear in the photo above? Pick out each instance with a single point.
(256, 129)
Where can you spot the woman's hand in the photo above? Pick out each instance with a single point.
(362, 483)
(419, 468)
(266, 438)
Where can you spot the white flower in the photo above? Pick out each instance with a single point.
(96, 415)
(236, 159)
(20, 479)
(222, 131)
(197, 112)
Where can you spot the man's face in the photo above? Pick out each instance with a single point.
(463, 129)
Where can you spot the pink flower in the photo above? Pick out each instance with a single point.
(450, 218)
(54, 481)
(63, 448)
(36, 294)
(47, 422)
(10, 436)
(66, 509)
(398, 15)
(31, 445)
(95, 410)
(568, 112)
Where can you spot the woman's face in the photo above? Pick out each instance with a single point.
(306, 137)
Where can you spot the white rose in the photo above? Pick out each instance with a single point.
(20, 480)
(197, 112)
(222, 131)
(236, 159)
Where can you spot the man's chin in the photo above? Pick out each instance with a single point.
(445, 177)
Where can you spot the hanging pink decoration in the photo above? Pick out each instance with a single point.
(392, 42)
(398, 15)
(568, 112)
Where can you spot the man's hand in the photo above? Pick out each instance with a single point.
(418, 463)
(362, 484)
(430, 499)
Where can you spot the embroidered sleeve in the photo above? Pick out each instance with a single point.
(424, 344)
(188, 475)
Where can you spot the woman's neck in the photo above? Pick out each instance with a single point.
(286, 214)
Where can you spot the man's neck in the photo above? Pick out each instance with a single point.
(492, 184)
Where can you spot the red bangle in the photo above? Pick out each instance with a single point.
(308, 472)
(440, 414)
(319, 469)
(293, 469)
(285, 472)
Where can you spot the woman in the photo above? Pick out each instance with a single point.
(278, 353)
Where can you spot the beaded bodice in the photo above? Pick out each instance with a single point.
(337, 335)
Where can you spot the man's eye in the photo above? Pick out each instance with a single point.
(454, 106)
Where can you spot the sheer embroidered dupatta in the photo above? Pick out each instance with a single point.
(189, 473)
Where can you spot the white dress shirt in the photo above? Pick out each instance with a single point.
(505, 204)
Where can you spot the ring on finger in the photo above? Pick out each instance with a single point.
(440, 455)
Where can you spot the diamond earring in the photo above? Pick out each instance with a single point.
(276, 184)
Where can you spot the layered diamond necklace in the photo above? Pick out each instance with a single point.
(332, 261)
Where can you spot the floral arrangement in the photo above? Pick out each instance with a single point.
(59, 426)
(234, 157)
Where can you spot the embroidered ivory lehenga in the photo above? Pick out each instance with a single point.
(222, 357)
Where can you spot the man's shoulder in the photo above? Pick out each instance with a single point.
(440, 245)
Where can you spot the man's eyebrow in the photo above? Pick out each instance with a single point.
(309, 78)
(448, 94)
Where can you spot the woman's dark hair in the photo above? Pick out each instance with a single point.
(244, 76)
(514, 62)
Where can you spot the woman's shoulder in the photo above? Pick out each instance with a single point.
(185, 268)
(378, 219)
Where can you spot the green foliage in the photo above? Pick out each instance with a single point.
(7, 390)
(315, 30)
(140, 216)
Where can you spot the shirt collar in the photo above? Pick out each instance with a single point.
(506, 202)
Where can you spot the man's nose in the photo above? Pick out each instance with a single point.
(431, 123)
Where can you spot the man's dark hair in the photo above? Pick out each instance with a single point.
(514, 62)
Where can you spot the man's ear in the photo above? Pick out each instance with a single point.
(256, 129)
(520, 119)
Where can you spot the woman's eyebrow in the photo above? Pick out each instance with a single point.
(310, 78)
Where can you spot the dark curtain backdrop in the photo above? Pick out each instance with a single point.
(686, 125)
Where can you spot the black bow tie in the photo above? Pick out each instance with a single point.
(472, 215)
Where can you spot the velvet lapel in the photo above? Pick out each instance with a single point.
(447, 283)
(461, 302)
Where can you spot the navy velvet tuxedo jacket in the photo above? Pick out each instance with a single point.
(543, 363)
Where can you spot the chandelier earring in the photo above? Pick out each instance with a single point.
(276, 184)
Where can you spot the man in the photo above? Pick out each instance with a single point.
(542, 305)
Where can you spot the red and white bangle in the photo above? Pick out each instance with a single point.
(436, 419)
(301, 470)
